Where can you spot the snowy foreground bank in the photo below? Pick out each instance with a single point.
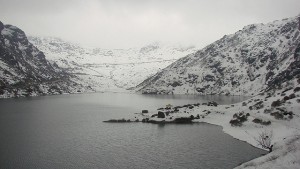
(273, 112)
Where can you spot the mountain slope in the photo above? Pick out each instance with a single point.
(256, 58)
(24, 69)
(110, 69)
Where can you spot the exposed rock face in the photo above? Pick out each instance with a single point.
(257, 58)
(1, 26)
(299, 22)
(24, 69)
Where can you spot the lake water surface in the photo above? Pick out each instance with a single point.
(67, 131)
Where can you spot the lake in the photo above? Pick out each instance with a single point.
(66, 131)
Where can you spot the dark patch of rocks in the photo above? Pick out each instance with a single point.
(297, 89)
(239, 119)
(183, 120)
(262, 122)
(258, 105)
(212, 103)
(276, 103)
(291, 96)
(145, 120)
(118, 121)
(267, 111)
(282, 113)
(209, 78)
(277, 115)
(175, 84)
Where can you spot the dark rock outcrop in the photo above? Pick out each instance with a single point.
(24, 69)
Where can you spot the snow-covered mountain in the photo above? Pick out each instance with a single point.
(110, 69)
(24, 70)
(256, 58)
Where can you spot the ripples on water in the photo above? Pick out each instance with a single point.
(67, 132)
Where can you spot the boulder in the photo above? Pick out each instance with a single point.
(212, 103)
(161, 114)
(145, 111)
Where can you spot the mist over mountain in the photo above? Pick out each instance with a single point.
(110, 69)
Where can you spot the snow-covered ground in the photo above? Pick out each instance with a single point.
(110, 69)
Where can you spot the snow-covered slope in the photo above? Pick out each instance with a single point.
(24, 70)
(110, 69)
(253, 59)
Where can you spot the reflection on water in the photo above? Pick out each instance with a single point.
(67, 132)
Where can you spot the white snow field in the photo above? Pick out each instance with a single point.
(110, 69)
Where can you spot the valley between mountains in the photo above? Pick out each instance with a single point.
(110, 69)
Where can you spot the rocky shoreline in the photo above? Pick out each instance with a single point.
(167, 114)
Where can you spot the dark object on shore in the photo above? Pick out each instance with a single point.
(118, 121)
(213, 103)
(145, 120)
(183, 120)
(145, 111)
(161, 114)
(197, 104)
(154, 115)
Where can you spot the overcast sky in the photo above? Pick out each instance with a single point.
(130, 23)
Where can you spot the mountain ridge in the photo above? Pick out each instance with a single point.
(250, 59)
(25, 70)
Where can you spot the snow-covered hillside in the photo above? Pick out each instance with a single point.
(24, 70)
(253, 59)
(110, 69)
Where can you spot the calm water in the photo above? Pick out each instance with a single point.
(67, 132)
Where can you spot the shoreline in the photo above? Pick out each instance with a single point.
(261, 114)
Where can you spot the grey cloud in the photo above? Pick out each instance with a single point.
(127, 23)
